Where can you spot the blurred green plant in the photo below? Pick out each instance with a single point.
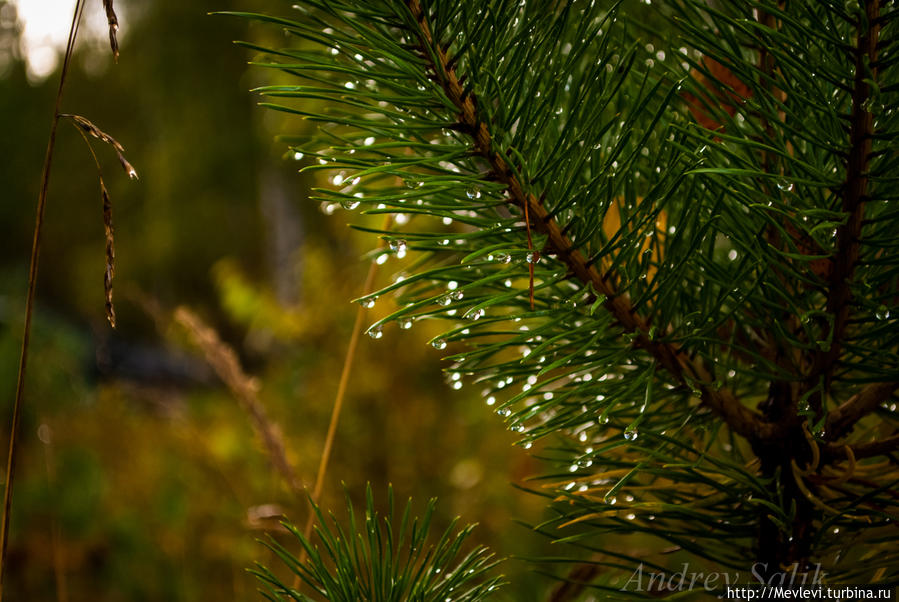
(673, 260)
(389, 558)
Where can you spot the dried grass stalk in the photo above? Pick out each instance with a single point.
(245, 388)
(109, 273)
(85, 128)
(113, 28)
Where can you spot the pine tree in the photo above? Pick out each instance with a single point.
(671, 256)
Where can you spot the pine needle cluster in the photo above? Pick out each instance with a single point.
(673, 257)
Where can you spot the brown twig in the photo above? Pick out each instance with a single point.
(29, 300)
(685, 370)
(841, 420)
(855, 190)
(859, 451)
(244, 388)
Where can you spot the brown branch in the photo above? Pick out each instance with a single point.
(834, 452)
(855, 191)
(841, 420)
(670, 356)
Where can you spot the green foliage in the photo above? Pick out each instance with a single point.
(676, 262)
(389, 559)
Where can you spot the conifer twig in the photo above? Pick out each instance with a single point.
(841, 419)
(859, 451)
(685, 370)
(32, 282)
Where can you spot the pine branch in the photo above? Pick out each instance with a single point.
(855, 190)
(685, 370)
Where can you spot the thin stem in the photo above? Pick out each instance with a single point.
(338, 402)
(855, 191)
(224, 361)
(29, 300)
(341, 393)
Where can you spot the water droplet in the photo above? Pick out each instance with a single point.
(438, 344)
(369, 141)
(406, 323)
(732, 254)
(473, 193)
(533, 257)
(785, 185)
(444, 300)
(630, 433)
(297, 156)
(457, 295)
(475, 314)
(368, 302)
(375, 332)
(349, 204)
(882, 313)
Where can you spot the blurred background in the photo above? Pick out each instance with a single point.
(139, 475)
